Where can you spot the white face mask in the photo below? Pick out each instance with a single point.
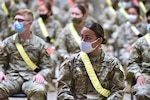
(87, 46)
(148, 28)
(126, 4)
(132, 18)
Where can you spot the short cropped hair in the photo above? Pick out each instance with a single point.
(97, 29)
(148, 12)
(25, 12)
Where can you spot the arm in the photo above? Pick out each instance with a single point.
(133, 68)
(3, 61)
(117, 83)
(45, 64)
(65, 82)
(62, 45)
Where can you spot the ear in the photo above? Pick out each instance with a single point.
(30, 22)
(100, 40)
(50, 13)
(84, 16)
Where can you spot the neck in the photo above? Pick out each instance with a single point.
(135, 22)
(47, 20)
(115, 7)
(95, 52)
(78, 27)
(24, 36)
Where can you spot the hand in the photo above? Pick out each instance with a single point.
(38, 78)
(2, 77)
(141, 80)
(128, 49)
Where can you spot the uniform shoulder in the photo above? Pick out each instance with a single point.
(111, 61)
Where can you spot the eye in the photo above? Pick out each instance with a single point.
(88, 38)
(19, 20)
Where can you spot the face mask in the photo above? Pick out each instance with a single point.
(126, 4)
(44, 16)
(76, 20)
(87, 46)
(148, 27)
(18, 27)
(132, 18)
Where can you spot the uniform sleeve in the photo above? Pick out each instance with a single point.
(117, 88)
(3, 57)
(61, 44)
(135, 59)
(46, 64)
(65, 82)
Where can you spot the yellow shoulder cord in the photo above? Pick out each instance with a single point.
(109, 3)
(12, 2)
(112, 10)
(91, 73)
(147, 37)
(44, 30)
(74, 33)
(5, 8)
(125, 14)
(142, 7)
(24, 55)
(135, 30)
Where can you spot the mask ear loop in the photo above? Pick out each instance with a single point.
(94, 42)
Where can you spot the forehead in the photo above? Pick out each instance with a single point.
(42, 7)
(20, 17)
(148, 17)
(75, 9)
(87, 31)
(132, 10)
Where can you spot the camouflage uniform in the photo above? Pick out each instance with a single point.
(67, 44)
(74, 83)
(53, 27)
(106, 20)
(19, 74)
(139, 64)
(6, 22)
(126, 38)
(120, 18)
(90, 19)
(15, 7)
(2, 19)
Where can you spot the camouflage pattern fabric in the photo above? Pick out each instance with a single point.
(74, 83)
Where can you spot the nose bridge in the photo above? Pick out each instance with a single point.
(73, 15)
(83, 38)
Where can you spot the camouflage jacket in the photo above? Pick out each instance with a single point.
(53, 28)
(74, 83)
(67, 44)
(139, 62)
(12, 64)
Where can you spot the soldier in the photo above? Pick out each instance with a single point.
(47, 28)
(139, 65)
(75, 81)
(69, 38)
(89, 16)
(107, 17)
(128, 33)
(52, 27)
(6, 22)
(122, 15)
(25, 63)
